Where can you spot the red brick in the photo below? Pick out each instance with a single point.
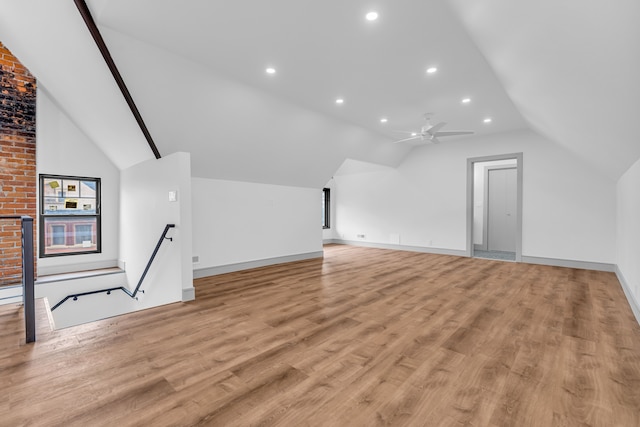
(18, 161)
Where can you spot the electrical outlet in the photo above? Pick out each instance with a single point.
(195, 259)
(360, 236)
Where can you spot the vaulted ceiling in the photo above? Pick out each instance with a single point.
(196, 69)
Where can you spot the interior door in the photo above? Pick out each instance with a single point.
(502, 209)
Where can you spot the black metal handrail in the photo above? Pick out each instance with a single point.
(122, 288)
(28, 293)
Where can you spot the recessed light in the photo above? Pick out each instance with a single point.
(466, 100)
(383, 120)
(270, 70)
(487, 120)
(431, 70)
(414, 134)
(339, 101)
(372, 16)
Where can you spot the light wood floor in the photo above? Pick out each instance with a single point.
(364, 337)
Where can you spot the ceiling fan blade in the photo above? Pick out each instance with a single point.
(404, 131)
(452, 133)
(435, 128)
(407, 139)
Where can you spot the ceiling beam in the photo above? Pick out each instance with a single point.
(95, 32)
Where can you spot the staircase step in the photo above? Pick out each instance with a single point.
(11, 294)
(51, 278)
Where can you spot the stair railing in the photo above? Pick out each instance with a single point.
(28, 294)
(133, 294)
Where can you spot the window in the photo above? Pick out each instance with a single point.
(69, 215)
(326, 207)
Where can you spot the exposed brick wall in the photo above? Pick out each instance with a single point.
(17, 159)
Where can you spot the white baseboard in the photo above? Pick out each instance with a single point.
(635, 305)
(439, 251)
(230, 268)
(584, 265)
(188, 294)
(68, 268)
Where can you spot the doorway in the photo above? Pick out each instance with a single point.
(494, 207)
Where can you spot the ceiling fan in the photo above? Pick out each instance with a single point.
(430, 132)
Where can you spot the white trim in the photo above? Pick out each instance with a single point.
(569, 263)
(552, 262)
(635, 305)
(230, 268)
(52, 321)
(422, 249)
(73, 268)
(188, 294)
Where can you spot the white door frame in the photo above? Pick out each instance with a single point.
(470, 174)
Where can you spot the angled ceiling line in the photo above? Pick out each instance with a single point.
(97, 37)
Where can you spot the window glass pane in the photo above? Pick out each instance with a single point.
(84, 235)
(57, 235)
(87, 200)
(66, 235)
(52, 187)
(71, 188)
(52, 205)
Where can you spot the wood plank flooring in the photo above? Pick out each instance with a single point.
(365, 337)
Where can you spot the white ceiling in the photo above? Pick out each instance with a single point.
(571, 68)
(326, 49)
(196, 70)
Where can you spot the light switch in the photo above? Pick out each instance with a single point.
(173, 196)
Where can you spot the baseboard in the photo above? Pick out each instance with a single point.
(67, 268)
(438, 251)
(635, 305)
(188, 294)
(230, 268)
(584, 265)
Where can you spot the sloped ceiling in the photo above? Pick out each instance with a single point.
(52, 41)
(571, 68)
(196, 70)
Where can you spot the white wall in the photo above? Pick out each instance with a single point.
(145, 211)
(63, 149)
(238, 222)
(569, 213)
(628, 233)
